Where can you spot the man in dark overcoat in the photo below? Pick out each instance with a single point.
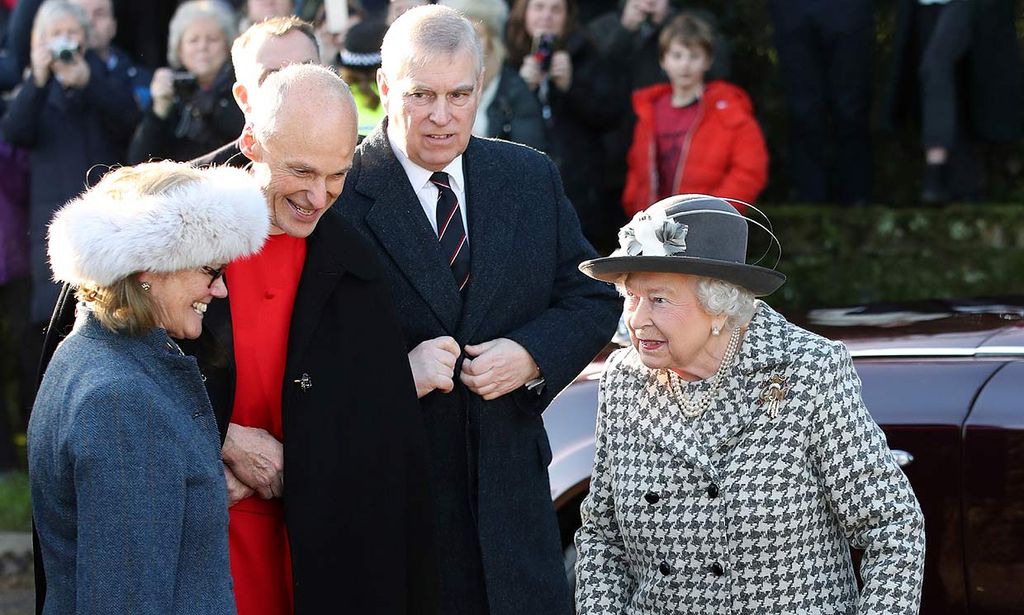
(481, 247)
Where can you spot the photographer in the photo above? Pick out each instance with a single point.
(560, 64)
(75, 122)
(192, 111)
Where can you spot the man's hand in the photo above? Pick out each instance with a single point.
(498, 367)
(256, 458)
(433, 365)
(237, 490)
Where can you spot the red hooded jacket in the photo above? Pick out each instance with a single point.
(724, 153)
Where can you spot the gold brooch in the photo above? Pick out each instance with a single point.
(773, 393)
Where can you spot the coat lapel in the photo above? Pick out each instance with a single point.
(326, 262)
(397, 221)
(737, 403)
(492, 209)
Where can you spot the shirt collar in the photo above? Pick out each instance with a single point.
(420, 177)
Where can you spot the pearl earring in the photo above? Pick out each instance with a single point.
(715, 330)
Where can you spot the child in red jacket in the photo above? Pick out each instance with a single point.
(693, 137)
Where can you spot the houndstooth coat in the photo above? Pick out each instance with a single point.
(739, 511)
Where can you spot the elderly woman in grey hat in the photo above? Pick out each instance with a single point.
(128, 490)
(736, 464)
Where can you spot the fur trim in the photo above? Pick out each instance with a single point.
(99, 239)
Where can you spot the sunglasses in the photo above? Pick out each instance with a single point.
(215, 274)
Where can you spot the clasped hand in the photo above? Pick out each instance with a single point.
(490, 369)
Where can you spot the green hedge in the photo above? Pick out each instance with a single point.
(835, 256)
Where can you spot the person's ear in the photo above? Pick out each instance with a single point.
(241, 96)
(382, 87)
(249, 145)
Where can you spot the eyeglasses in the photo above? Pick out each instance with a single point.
(215, 274)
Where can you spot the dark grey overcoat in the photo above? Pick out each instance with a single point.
(497, 527)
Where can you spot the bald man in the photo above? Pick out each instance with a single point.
(307, 353)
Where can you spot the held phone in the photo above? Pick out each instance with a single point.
(543, 48)
(336, 15)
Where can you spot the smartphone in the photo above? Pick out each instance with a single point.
(543, 48)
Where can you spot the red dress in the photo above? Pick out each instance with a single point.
(262, 293)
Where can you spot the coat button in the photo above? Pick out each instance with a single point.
(712, 490)
(665, 569)
(652, 498)
(717, 569)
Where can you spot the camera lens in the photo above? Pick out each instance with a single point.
(66, 55)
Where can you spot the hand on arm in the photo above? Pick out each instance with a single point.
(433, 365)
(497, 367)
(256, 459)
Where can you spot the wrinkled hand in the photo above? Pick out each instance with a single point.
(497, 367)
(561, 70)
(162, 90)
(433, 365)
(530, 72)
(40, 60)
(256, 458)
(237, 490)
(74, 74)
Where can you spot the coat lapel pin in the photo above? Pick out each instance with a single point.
(305, 383)
(773, 393)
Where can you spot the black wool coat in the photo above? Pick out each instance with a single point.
(357, 498)
(489, 458)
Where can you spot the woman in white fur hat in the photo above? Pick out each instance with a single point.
(128, 492)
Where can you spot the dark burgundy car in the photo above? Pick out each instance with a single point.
(946, 382)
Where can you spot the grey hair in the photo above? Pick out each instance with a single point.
(424, 32)
(52, 10)
(319, 80)
(189, 12)
(492, 14)
(719, 297)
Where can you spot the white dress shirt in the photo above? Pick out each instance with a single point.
(427, 192)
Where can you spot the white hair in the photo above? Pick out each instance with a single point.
(51, 10)
(719, 298)
(188, 13)
(424, 32)
(310, 79)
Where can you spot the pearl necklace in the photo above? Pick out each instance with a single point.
(695, 405)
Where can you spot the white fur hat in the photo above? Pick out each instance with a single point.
(106, 235)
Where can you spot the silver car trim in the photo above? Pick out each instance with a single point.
(988, 351)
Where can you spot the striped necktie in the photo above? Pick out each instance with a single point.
(451, 234)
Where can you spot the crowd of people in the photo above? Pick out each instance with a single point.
(395, 351)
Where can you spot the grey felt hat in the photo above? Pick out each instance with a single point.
(688, 233)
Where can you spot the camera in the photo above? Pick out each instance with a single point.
(183, 83)
(63, 49)
(543, 48)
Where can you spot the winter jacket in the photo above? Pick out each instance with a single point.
(724, 153)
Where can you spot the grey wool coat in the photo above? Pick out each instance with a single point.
(740, 511)
(128, 492)
(500, 545)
